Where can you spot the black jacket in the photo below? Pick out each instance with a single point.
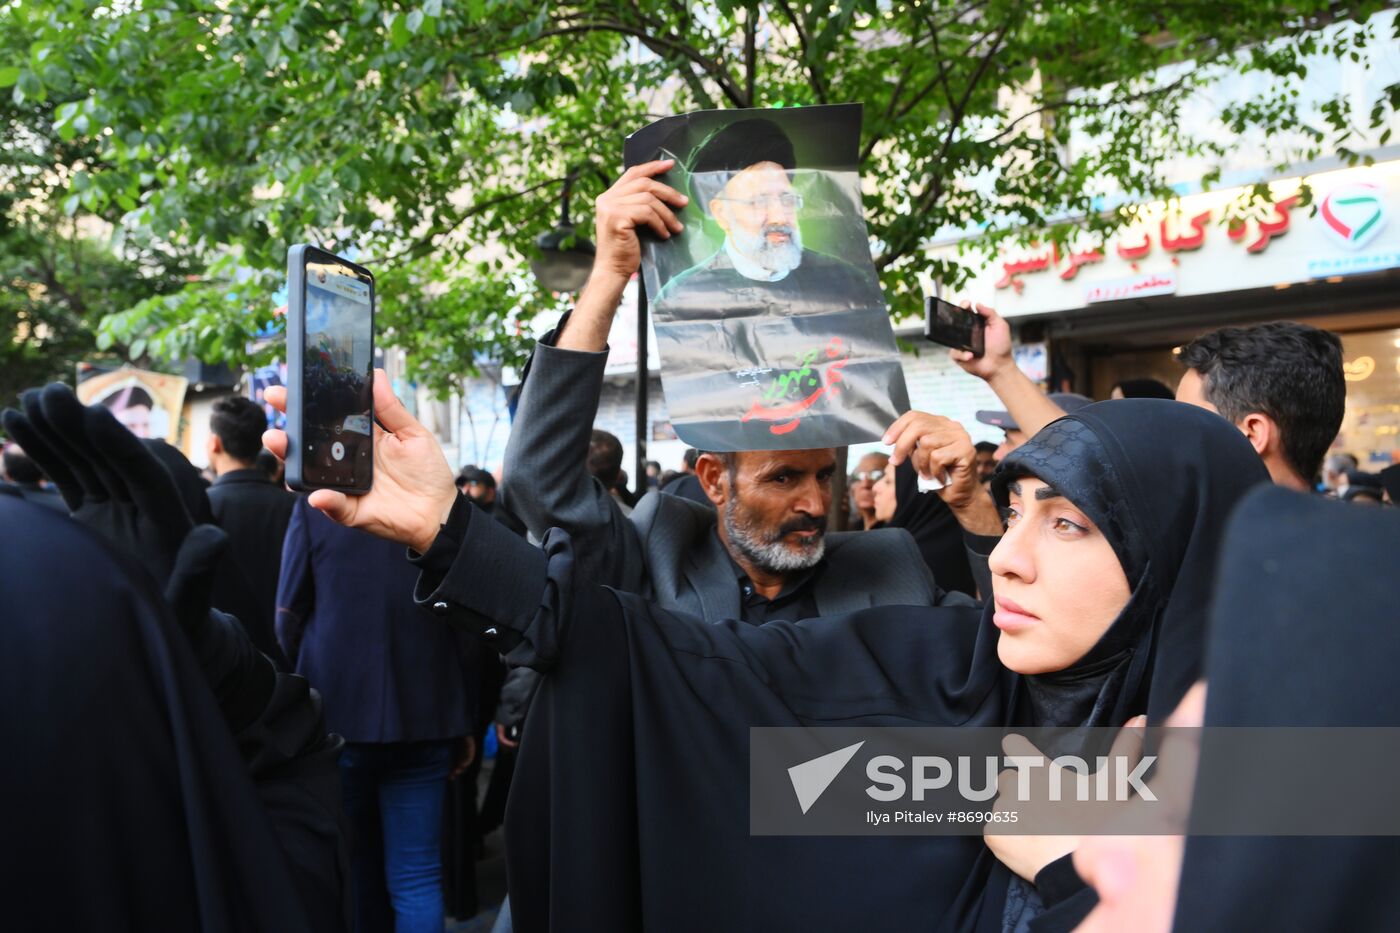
(254, 513)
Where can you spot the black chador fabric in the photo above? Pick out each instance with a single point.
(1159, 480)
(629, 808)
(233, 593)
(1303, 633)
(127, 805)
(935, 529)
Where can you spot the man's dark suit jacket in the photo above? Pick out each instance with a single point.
(254, 513)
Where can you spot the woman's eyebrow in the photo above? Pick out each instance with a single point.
(1047, 492)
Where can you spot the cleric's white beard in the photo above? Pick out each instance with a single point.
(779, 259)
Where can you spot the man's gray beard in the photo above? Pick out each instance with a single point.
(779, 259)
(765, 553)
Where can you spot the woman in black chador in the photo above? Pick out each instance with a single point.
(630, 804)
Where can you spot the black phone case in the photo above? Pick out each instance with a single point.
(973, 339)
(297, 257)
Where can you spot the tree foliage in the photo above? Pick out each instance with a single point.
(434, 138)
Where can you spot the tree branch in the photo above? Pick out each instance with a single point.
(818, 83)
(935, 189)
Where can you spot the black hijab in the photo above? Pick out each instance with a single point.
(1159, 480)
(1390, 482)
(1302, 634)
(935, 529)
(127, 803)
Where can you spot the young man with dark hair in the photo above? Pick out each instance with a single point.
(251, 510)
(986, 460)
(20, 470)
(1280, 383)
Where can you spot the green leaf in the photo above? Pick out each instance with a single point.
(8, 76)
(399, 33)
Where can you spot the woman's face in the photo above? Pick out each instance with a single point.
(884, 497)
(1057, 582)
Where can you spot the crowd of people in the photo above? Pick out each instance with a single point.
(244, 709)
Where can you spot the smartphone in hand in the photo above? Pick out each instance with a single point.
(960, 328)
(330, 372)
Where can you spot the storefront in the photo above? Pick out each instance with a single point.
(1117, 310)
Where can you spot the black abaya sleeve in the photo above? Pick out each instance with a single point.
(629, 808)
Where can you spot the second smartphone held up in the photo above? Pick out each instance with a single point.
(960, 328)
(330, 372)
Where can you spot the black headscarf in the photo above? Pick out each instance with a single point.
(935, 529)
(1159, 480)
(1146, 388)
(1302, 634)
(127, 804)
(1390, 482)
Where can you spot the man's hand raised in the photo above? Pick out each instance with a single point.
(413, 489)
(635, 201)
(940, 448)
(996, 359)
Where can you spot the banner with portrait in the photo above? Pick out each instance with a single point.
(769, 318)
(148, 403)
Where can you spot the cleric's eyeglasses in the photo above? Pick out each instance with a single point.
(788, 201)
(863, 476)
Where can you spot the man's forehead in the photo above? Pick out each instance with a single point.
(761, 175)
(758, 460)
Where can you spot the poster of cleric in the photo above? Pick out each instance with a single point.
(769, 318)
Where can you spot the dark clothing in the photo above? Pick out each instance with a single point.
(935, 529)
(388, 671)
(642, 707)
(638, 743)
(254, 513)
(234, 592)
(1301, 634)
(796, 600)
(135, 808)
(1161, 504)
(42, 495)
(687, 486)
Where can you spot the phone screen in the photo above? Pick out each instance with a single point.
(960, 328)
(337, 377)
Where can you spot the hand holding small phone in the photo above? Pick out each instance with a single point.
(330, 360)
(959, 328)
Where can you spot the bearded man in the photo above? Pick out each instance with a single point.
(762, 551)
(742, 177)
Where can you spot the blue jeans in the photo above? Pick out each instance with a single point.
(393, 800)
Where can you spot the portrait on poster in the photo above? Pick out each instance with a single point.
(769, 318)
(149, 404)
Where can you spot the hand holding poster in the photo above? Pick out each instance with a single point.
(770, 322)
